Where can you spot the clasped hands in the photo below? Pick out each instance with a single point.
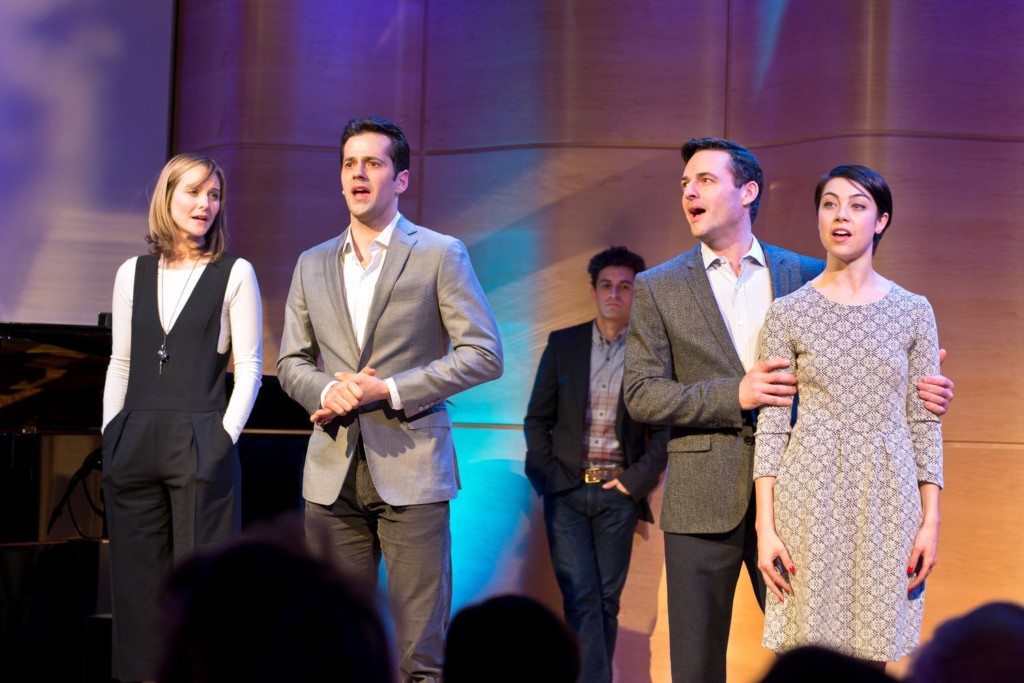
(353, 389)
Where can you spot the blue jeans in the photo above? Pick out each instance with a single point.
(590, 535)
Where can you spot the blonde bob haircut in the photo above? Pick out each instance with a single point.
(164, 235)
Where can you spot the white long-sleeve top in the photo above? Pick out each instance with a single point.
(241, 328)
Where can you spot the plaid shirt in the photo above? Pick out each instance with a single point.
(601, 447)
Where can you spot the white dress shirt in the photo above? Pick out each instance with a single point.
(360, 284)
(743, 299)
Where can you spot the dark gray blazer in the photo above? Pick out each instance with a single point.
(556, 415)
(683, 371)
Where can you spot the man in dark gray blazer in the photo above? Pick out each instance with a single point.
(592, 463)
(691, 364)
(400, 321)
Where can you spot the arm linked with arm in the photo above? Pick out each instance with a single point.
(925, 427)
(926, 435)
(772, 438)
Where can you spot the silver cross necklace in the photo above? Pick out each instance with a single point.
(163, 353)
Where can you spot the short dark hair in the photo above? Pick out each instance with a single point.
(615, 256)
(869, 179)
(745, 166)
(374, 124)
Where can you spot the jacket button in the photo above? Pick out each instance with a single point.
(749, 440)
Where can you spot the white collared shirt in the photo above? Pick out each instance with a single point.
(744, 299)
(360, 284)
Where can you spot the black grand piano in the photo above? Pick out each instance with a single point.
(53, 589)
(51, 383)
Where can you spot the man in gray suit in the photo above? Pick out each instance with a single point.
(692, 364)
(400, 321)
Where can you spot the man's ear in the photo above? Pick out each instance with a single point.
(750, 192)
(403, 181)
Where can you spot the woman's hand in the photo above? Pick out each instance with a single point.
(769, 549)
(926, 543)
(926, 551)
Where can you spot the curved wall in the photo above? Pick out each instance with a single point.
(545, 131)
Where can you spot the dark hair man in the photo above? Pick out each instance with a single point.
(401, 322)
(592, 463)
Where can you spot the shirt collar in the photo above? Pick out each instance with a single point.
(600, 342)
(754, 254)
(384, 238)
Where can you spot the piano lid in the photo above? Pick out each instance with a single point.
(52, 377)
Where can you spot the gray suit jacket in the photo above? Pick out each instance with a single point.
(430, 328)
(683, 371)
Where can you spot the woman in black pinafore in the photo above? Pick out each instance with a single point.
(170, 467)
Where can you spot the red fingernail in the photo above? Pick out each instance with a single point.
(792, 570)
(910, 570)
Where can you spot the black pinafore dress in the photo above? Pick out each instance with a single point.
(170, 471)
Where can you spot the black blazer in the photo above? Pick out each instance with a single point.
(555, 420)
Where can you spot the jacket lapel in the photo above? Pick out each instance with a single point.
(697, 278)
(334, 287)
(402, 241)
(784, 277)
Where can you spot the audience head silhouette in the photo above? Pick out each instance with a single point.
(258, 611)
(510, 639)
(986, 644)
(812, 664)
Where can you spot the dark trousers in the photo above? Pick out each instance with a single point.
(416, 544)
(701, 574)
(590, 535)
(169, 485)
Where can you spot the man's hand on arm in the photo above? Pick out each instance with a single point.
(936, 390)
(763, 387)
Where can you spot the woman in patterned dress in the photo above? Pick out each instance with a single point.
(848, 496)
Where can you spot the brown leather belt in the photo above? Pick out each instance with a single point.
(597, 475)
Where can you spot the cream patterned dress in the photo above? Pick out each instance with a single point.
(847, 504)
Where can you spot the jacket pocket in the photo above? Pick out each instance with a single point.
(436, 417)
(690, 443)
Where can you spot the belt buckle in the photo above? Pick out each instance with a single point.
(592, 475)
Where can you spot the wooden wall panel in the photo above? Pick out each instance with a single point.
(580, 73)
(804, 69)
(277, 82)
(293, 72)
(544, 132)
(281, 201)
(531, 220)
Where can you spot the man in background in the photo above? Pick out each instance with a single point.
(592, 463)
